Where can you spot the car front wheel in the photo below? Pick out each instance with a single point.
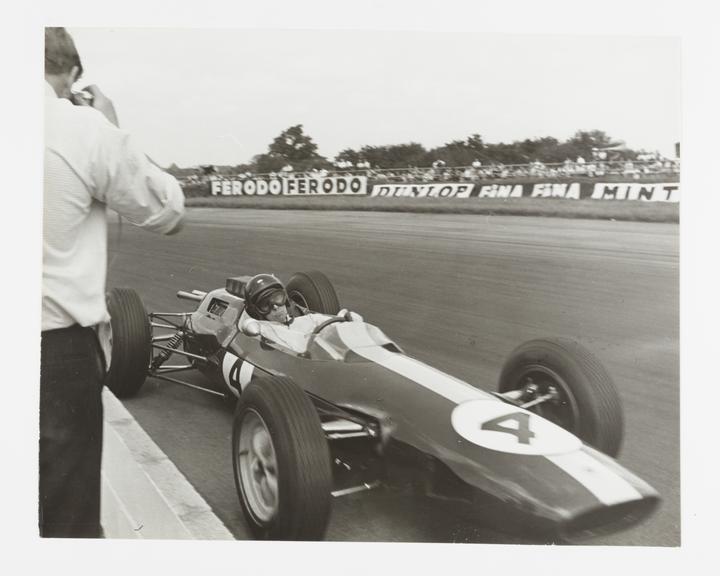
(565, 383)
(281, 462)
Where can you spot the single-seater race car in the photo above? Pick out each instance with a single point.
(340, 407)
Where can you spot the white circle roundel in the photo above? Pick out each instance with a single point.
(506, 428)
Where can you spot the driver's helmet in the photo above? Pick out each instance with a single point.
(261, 292)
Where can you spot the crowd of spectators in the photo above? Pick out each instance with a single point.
(596, 166)
(497, 171)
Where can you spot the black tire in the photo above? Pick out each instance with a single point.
(588, 404)
(297, 474)
(131, 342)
(314, 291)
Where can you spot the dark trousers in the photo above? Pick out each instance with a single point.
(71, 425)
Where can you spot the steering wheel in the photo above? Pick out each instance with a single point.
(327, 323)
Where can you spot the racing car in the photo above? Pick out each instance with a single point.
(347, 409)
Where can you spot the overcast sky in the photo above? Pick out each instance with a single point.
(220, 96)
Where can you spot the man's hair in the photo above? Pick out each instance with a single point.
(60, 52)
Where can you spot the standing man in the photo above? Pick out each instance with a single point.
(90, 165)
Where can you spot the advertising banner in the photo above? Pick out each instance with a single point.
(649, 191)
(345, 185)
(358, 186)
(668, 192)
(423, 190)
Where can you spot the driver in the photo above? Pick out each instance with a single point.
(266, 300)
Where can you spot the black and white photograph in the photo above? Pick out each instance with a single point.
(404, 283)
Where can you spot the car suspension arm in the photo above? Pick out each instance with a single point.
(193, 386)
(181, 352)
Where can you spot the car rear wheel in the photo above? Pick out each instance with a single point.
(313, 291)
(281, 462)
(131, 342)
(565, 383)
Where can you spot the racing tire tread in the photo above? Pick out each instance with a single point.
(303, 460)
(317, 290)
(601, 416)
(131, 347)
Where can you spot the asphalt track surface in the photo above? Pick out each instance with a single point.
(456, 291)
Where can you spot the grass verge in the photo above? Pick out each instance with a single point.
(550, 207)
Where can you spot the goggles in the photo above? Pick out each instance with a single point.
(267, 303)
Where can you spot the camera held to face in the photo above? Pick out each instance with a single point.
(81, 98)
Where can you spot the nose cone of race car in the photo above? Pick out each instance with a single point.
(549, 479)
(616, 499)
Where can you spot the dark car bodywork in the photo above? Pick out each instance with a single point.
(380, 407)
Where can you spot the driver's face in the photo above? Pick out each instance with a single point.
(277, 314)
(273, 306)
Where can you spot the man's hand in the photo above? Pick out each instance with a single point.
(80, 98)
(350, 316)
(102, 103)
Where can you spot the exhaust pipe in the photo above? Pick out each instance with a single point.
(194, 296)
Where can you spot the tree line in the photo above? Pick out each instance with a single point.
(293, 147)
